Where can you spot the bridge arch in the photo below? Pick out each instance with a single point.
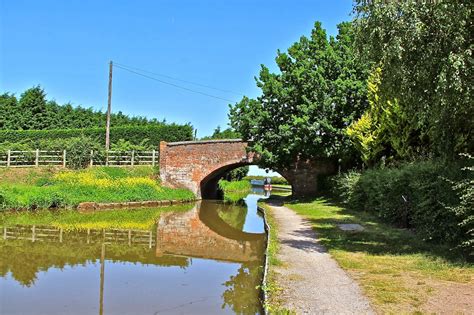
(198, 165)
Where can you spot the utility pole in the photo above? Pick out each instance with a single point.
(109, 109)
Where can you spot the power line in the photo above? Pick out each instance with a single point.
(172, 84)
(181, 80)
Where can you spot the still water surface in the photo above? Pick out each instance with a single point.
(207, 260)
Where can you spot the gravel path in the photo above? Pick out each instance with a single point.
(311, 281)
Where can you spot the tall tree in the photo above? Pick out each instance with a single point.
(304, 109)
(424, 49)
(32, 105)
(9, 112)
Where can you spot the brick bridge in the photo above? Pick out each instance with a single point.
(198, 166)
(201, 233)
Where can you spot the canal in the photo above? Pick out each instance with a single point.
(204, 260)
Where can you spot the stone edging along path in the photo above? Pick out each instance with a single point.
(91, 206)
(310, 279)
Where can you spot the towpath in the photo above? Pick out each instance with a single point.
(311, 281)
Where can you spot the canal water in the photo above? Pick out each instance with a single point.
(207, 260)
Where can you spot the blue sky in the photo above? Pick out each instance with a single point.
(65, 46)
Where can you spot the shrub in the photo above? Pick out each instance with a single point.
(465, 208)
(417, 196)
(343, 185)
(79, 151)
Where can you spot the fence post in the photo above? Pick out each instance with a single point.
(64, 158)
(133, 157)
(153, 158)
(107, 158)
(92, 158)
(37, 157)
(9, 158)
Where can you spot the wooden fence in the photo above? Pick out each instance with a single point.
(38, 158)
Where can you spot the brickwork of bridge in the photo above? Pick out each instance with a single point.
(198, 166)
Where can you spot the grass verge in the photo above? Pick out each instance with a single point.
(399, 272)
(34, 189)
(273, 302)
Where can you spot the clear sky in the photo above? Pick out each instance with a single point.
(65, 46)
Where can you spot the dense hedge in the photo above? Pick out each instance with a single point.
(419, 196)
(134, 134)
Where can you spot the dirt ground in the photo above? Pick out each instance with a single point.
(450, 298)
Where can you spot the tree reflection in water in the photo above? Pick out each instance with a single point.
(240, 293)
(232, 215)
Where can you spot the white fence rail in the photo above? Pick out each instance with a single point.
(37, 158)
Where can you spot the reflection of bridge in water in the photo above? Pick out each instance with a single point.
(202, 233)
(199, 233)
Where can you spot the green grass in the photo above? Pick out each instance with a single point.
(141, 219)
(235, 186)
(235, 190)
(66, 189)
(396, 269)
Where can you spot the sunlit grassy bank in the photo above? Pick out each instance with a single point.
(234, 190)
(66, 188)
(398, 271)
(140, 219)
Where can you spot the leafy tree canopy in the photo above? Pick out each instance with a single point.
(424, 50)
(228, 133)
(305, 108)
